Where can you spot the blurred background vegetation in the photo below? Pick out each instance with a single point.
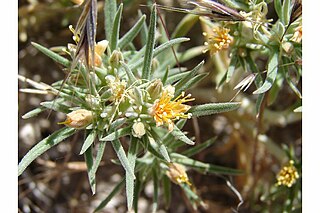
(57, 181)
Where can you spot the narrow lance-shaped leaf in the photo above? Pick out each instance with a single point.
(115, 190)
(89, 140)
(110, 9)
(132, 155)
(132, 33)
(204, 167)
(34, 112)
(122, 157)
(155, 190)
(147, 145)
(166, 190)
(185, 25)
(43, 146)
(162, 148)
(91, 175)
(116, 29)
(198, 148)
(185, 79)
(117, 134)
(271, 74)
(99, 156)
(146, 70)
(178, 134)
(286, 11)
(232, 67)
(212, 108)
(56, 57)
(137, 190)
(189, 84)
(157, 51)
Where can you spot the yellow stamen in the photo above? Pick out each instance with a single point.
(165, 111)
(287, 175)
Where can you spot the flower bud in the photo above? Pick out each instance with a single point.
(155, 89)
(138, 130)
(287, 47)
(115, 58)
(78, 119)
(177, 174)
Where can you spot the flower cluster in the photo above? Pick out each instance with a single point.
(218, 40)
(287, 175)
(165, 110)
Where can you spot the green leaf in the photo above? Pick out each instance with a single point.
(116, 29)
(164, 152)
(286, 12)
(189, 84)
(293, 87)
(165, 76)
(155, 190)
(146, 70)
(232, 67)
(185, 25)
(110, 9)
(131, 77)
(149, 146)
(198, 148)
(91, 175)
(178, 134)
(132, 33)
(117, 134)
(132, 155)
(122, 157)
(213, 108)
(160, 146)
(166, 183)
(99, 156)
(271, 74)
(187, 78)
(54, 56)
(43, 146)
(157, 51)
(259, 102)
(137, 190)
(34, 112)
(204, 167)
(89, 140)
(278, 8)
(115, 190)
(117, 123)
(176, 77)
(56, 105)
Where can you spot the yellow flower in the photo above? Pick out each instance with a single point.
(177, 174)
(117, 88)
(78, 119)
(166, 111)
(218, 40)
(287, 175)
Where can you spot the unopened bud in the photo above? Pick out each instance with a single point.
(288, 47)
(155, 89)
(138, 130)
(78, 119)
(115, 58)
